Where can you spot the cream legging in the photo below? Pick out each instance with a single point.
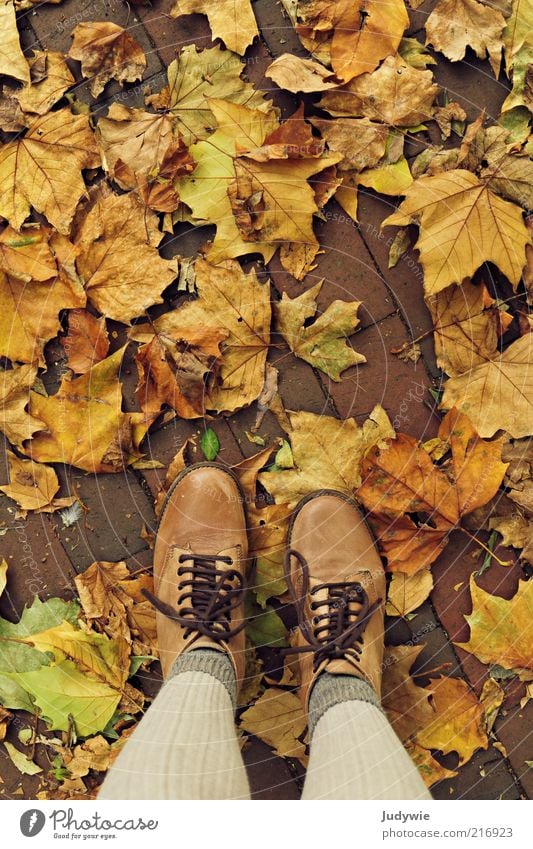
(186, 747)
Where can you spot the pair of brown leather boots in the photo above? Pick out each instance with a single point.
(335, 577)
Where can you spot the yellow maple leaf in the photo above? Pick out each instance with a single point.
(15, 422)
(278, 719)
(462, 225)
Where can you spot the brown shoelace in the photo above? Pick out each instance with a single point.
(213, 594)
(338, 630)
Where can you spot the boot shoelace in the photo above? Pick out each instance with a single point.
(212, 593)
(338, 631)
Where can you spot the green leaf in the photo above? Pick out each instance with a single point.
(41, 616)
(264, 627)
(16, 657)
(62, 691)
(21, 761)
(136, 662)
(209, 444)
(13, 696)
(269, 580)
(284, 458)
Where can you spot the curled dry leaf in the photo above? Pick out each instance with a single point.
(106, 52)
(118, 259)
(229, 302)
(296, 74)
(501, 631)
(327, 454)
(395, 94)
(400, 480)
(86, 342)
(12, 60)
(462, 225)
(497, 394)
(232, 21)
(324, 343)
(15, 421)
(43, 169)
(85, 425)
(454, 25)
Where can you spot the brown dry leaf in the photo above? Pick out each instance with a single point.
(295, 74)
(248, 469)
(232, 302)
(31, 485)
(176, 465)
(466, 327)
(407, 592)
(106, 52)
(278, 719)
(353, 37)
(85, 425)
(458, 724)
(267, 535)
(292, 139)
(29, 254)
(406, 705)
(174, 366)
(446, 115)
(324, 343)
(361, 142)
(44, 168)
(498, 393)
(12, 60)
(454, 25)
(400, 480)
(491, 698)
(430, 769)
(396, 94)
(327, 454)
(29, 314)
(142, 150)
(15, 422)
(86, 342)
(118, 258)
(462, 225)
(501, 631)
(232, 21)
(93, 754)
(40, 95)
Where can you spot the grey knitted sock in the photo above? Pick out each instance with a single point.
(215, 663)
(330, 690)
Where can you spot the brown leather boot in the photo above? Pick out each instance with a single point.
(337, 583)
(200, 561)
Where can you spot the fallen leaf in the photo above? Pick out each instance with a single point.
(43, 169)
(3, 575)
(466, 327)
(391, 178)
(86, 342)
(247, 471)
(277, 718)
(37, 97)
(12, 60)
(295, 74)
(115, 229)
(462, 225)
(94, 754)
(232, 21)
(174, 366)
(407, 706)
(209, 444)
(142, 150)
(31, 485)
(85, 425)
(406, 593)
(264, 628)
(446, 116)
(324, 343)
(106, 52)
(501, 631)
(405, 95)
(454, 25)
(65, 694)
(361, 142)
(194, 78)
(491, 698)
(29, 315)
(267, 535)
(228, 300)
(517, 28)
(497, 393)
(458, 723)
(429, 768)
(401, 480)
(29, 254)
(327, 454)
(15, 422)
(22, 762)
